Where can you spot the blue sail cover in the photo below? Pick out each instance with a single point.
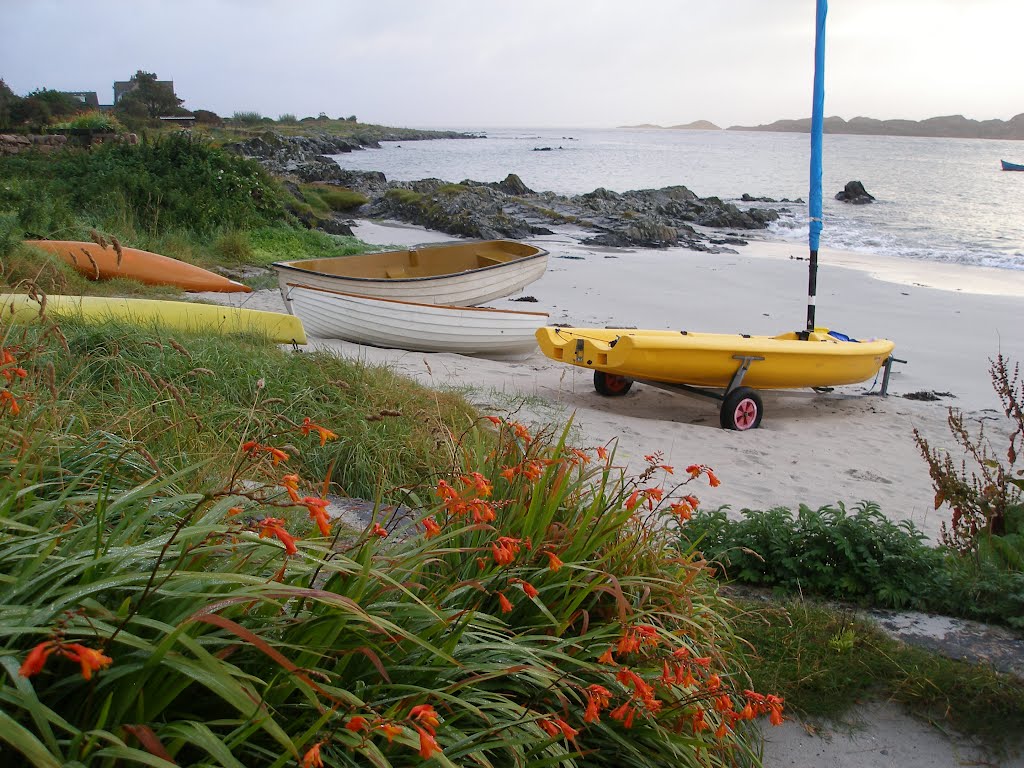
(817, 126)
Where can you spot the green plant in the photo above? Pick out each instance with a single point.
(526, 614)
(287, 119)
(339, 198)
(861, 556)
(247, 118)
(93, 120)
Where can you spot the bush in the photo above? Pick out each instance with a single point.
(287, 119)
(94, 120)
(247, 118)
(860, 557)
(174, 182)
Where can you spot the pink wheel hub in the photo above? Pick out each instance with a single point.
(745, 414)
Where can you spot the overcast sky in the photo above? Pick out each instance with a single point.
(517, 63)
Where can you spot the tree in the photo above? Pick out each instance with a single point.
(41, 106)
(8, 102)
(149, 97)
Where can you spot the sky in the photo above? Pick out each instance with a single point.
(478, 64)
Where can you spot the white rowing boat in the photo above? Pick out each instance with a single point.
(414, 326)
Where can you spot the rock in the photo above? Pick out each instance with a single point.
(855, 193)
(513, 185)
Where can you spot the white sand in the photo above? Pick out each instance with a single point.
(811, 448)
(817, 449)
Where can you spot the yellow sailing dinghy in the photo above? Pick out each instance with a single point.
(737, 363)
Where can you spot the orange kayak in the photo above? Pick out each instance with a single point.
(99, 263)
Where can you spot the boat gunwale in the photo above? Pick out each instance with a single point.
(418, 303)
(291, 265)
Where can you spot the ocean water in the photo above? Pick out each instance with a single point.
(942, 200)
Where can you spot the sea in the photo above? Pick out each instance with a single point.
(941, 200)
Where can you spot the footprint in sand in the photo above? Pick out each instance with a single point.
(871, 477)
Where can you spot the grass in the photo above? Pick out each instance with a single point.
(825, 662)
(149, 539)
(146, 387)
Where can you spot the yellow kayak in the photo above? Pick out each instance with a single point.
(716, 360)
(176, 315)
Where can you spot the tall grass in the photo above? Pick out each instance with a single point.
(527, 607)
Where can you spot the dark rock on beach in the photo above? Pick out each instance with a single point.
(854, 193)
(651, 218)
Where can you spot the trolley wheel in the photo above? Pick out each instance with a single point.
(610, 384)
(741, 409)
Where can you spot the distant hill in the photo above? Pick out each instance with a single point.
(696, 125)
(950, 126)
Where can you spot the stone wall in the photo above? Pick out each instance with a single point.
(12, 144)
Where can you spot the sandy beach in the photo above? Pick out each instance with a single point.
(846, 446)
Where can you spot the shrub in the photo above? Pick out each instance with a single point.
(287, 119)
(233, 247)
(93, 120)
(174, 182)
(860, 557)
(247, 118)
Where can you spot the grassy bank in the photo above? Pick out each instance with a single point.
(173, 593)
(177, 195)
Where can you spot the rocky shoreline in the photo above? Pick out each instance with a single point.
(650, 218)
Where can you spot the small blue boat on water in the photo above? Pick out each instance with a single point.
(1011, 166)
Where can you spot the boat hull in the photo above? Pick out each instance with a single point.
(712, 359)
(98, 263)
(175, 315)
(458, 274)
(417, 327)
(1011, 166)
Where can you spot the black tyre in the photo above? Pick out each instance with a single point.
(610, 384)
(741, 409)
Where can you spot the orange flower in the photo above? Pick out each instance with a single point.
(428, 744)
(325, 434)
(509, 473)
(529, 589)
(549, 727)
(606, 657)
(7, 400)
(699, 723)
(693, 501)
(390, 730)
(598, 698)
(274, 526)
(90, 659)
(682, 510)
(318, 513)
(554, 563)
(634, 500)
(433, 529)
(36, 658)
(357, 723)
(521, 432)
(232, 511)
(625, 713)
(291, 484)
(425, 715)
(568, 731)
(722, 731)
(379, 530)
(712, 479)
(602, 453)
(479, 482)
(506, 606)
(276, 455)
(312, 757)
(494, 420)
(714, 683)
